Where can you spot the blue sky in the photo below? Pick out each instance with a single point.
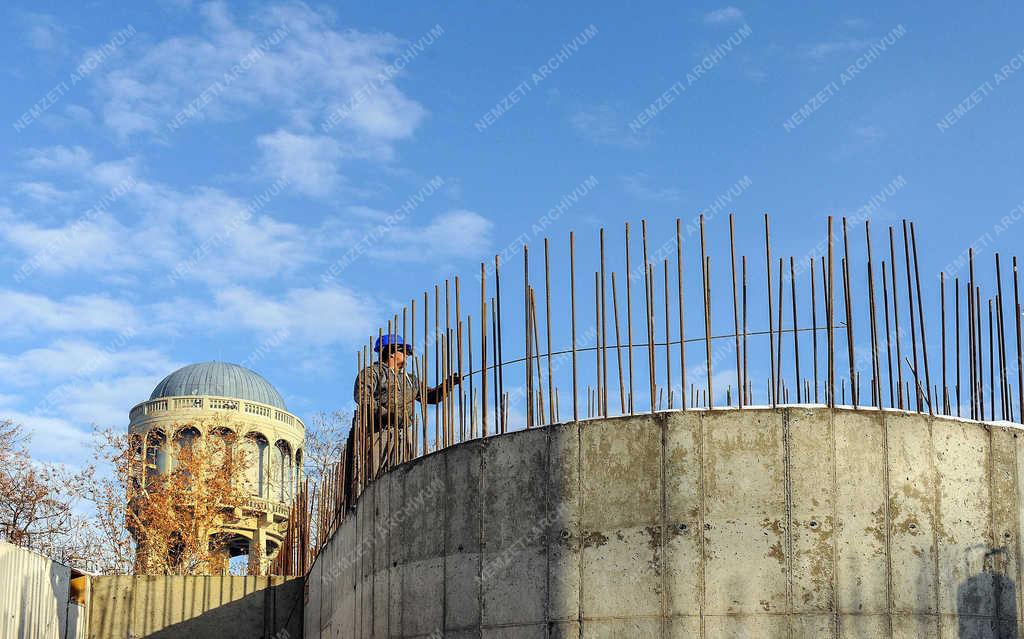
(179, 177)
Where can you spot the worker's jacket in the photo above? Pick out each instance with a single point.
(388, 397)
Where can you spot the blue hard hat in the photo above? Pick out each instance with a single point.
(391, 340)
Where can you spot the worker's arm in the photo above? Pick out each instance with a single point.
(437, 393)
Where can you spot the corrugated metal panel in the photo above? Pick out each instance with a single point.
(34, 597)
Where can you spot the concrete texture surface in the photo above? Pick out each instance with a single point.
(792, 522)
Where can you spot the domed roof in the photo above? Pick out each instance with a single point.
(219, 379)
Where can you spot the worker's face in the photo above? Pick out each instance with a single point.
(398, 359)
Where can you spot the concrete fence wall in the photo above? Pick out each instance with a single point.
(35, 597)
(797, 522)
(214, 607)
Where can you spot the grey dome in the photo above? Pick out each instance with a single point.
(219, 379)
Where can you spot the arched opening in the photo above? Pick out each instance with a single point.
(221, 442)
(257, 445)
(283, 468)
(157, 458)
(184, 440)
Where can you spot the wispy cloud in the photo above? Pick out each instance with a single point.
(606, 125)
(43, 32)
(725, 15)
(28, 313)
(824, 49)
(232, 71)
(639, 185)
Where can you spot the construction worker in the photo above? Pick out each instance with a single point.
(386, 395)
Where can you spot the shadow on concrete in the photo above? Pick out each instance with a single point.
(986, 602)
(273, 612)
(276, 610)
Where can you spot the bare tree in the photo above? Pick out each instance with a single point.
(35, 509)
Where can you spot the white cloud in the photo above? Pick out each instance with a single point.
(97, 244)
(309, 161)
(43, 33)
(71, 359)
(59, 158)
(41, 192)
(303, 69)
(725, 15)
(453, 234)
(26, 313)
(308, 316)
(604, 124)
(639, 185)
(821, 50)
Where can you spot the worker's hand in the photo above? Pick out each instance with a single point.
(454, 379)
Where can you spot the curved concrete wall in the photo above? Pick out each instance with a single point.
(796, 522)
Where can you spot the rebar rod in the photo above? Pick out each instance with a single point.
(618, 346)
(682, 330)
(771, 320)
(629, 320)
(920, 318)
(876, 368)
(796, 330)
(572, 298)
(735, 309)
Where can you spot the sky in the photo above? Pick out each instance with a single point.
(268, 183)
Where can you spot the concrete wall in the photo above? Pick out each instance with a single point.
(799, 522)
(196, 607)
(35, 600)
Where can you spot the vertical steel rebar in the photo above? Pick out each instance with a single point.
(500, 360)
(796, 330)
(942, 313)
(604, 337)
(629, 321)
(896, 318)
(980, 351)
(1004, 403)
(458, 352)
(920, 318)
(854, 386)
(972, 346)
(682, 330)
(668, 343)
(651, 332)
(527, 336)
(956, 324)
(876, 368)
(706, 276)
(735, 309)
(747, 386)
(649, 313)
(539, 390)
(913, 327)
(830, 319)
(597, 342)
(814, 329)
(1020, 351)
(771, 320)
(991, 367)
(483, 353)
(888, 338)
(572, 300)
(618, 346)
(547, 304)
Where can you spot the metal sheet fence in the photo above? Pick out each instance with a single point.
(36, 597)
(834, 326)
